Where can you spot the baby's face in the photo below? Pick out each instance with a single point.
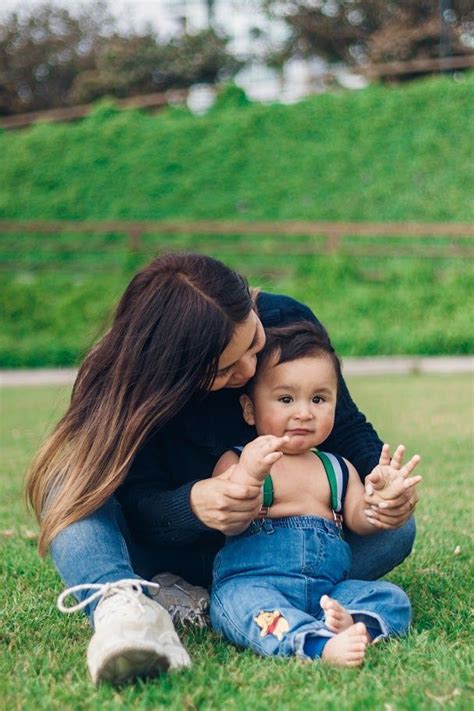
(297, 399)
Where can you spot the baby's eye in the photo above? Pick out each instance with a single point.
(224, 371)
(317, 399)
(286, 399)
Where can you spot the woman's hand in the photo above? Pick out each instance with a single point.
(390, 493)
(225, 505)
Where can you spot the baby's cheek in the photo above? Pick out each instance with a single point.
(272, 423)
(328, 423)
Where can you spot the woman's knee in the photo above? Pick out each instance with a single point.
(375, 556)
(405, 536)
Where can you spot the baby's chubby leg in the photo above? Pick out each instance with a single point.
(257, 459)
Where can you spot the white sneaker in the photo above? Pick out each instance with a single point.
(134, 636)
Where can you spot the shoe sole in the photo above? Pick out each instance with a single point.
(132, 663)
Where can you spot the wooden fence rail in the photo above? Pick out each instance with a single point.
(460, 235)
(416, 66)
(71, 113)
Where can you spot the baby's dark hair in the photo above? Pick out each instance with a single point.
(297, 340)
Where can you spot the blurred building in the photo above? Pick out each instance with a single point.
(251, 35)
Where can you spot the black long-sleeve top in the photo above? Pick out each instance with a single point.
(155, 495)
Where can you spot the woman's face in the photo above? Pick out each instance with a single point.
(238, 361)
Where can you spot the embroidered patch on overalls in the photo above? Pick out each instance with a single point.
(272, 623)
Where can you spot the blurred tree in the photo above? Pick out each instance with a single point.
(51, 58)
(138, 64)
(43, 50)
(357, 31)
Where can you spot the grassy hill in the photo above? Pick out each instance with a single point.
(377, 154)
(380, 154)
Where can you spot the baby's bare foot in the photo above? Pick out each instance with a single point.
(347, 649)
(336, 617)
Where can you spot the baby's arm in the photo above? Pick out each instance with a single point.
(226, 464)
(355, 508)
(249, 471)
(255, 461)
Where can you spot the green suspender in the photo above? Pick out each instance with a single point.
(267, 491)
(331, 475)
(338, 477)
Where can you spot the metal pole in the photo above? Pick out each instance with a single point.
(446, 16)
(210, 14)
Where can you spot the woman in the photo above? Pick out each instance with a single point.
(123, 486)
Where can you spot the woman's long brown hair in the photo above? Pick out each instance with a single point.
(171, 325)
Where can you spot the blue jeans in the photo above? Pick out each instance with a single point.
(268, 582)
(99, 549)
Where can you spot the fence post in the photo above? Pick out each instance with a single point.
(134, 239)
(333, 242)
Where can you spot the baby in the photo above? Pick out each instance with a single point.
(281, 586)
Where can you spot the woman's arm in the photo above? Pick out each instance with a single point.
(158, 514)
(232, 515)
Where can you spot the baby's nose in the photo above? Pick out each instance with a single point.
(304, 413)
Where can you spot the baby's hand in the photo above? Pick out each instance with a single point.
(389, 486)
(258, 456)
(389, 478)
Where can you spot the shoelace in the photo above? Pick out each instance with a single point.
(130, 588)
(196, 616)
(183, 615)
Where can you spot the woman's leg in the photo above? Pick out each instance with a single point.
(374, 556)
(134, 636)
(93, 551)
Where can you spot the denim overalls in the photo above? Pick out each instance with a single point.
(268, 582)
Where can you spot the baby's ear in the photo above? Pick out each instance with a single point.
(247, 409)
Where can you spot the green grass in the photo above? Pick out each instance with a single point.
(390, 307)
(42, 664)
(380, 154)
